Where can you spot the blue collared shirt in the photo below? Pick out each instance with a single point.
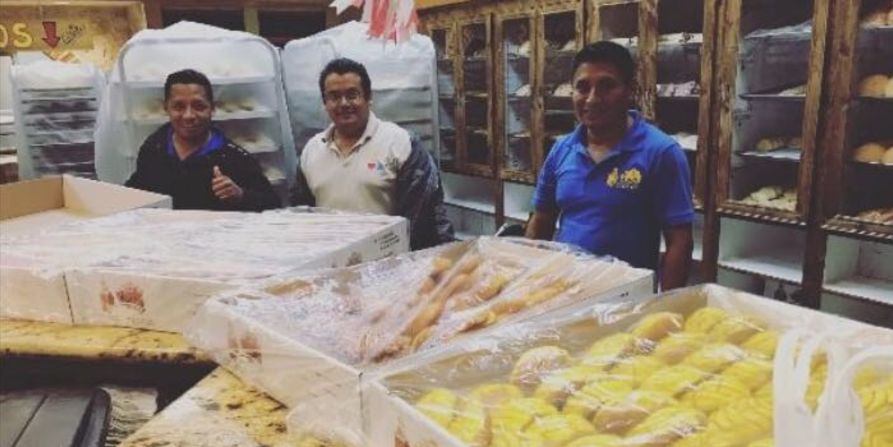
(620, 205)
(213, 144)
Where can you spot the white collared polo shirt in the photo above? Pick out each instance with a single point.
(365, 180)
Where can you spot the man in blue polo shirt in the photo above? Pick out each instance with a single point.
(616, 182)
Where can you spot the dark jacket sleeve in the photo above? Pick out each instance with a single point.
(140, 178)
(420, 200)
(257, 192)
(300, 194)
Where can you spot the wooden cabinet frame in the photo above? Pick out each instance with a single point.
(448, 27)
(466, 166)
(728, 63)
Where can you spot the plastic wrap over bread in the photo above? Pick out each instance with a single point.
(308, 338)
(700, 367)
(151, 268)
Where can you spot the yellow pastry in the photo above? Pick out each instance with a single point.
(439, 405)
(674, 380)
(704, 319)
(608, 350)
(764, 392)
(597, 441)
(595, 395)
(714, 357)
(676, 347)
(557, 386)
(747, 420)
(554, 431)
(715, 392)
(633, 409)
(495, 394)
(766, 442)
(753, 372)
(888, 92)
(637, 369)
(537, 363)
(869, 153)
(888, 154)
(736, 329)
(658, 325)
(666, 426)
(763, 343)
(515, 415)
(874, 86)
(471, 425)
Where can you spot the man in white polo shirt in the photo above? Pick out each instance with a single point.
(363, 164)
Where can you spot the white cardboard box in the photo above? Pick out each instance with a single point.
(320, 382)
(35, 205)
(152, 268)
(388, 417)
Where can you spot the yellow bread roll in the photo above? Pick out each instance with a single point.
(753, 372)
(674, 380)
(471, 425)
(676, 347)
(666, 426)
(747, 419)
(495, 394)
(704, 319)
(438, 404)
(763, 343)
(888, 92)
(736, 329)
(608, 350)
(715, 392)
(597, 441)
(508, 439)
(633, 409)
(637, 369)
(538, 363)
(595, 395)
(515, 415)
(876, 440)
(874, 86)
(764, 392)
(714, 357)
(888, 156)
(556, 387)
(658, 325)
(766, 442)
(554, 431)
(869, 153)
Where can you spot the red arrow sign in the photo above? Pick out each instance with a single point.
(50, 29)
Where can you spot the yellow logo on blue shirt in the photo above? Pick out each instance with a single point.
(629, 179)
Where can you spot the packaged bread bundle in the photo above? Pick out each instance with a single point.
(694, 368)
(876, 86)
(880, 16)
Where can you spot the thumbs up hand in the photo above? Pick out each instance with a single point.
(225, 188)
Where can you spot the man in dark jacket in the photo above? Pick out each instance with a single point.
(193, 162)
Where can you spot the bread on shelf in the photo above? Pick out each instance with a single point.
(875, 86)
(870, 153)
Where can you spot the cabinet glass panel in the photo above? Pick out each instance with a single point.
(560, 45)
(868, 178)
(680, 25)
(446, 90)
(474, 64)
(518, 100)
(619, 22)
(774, 49)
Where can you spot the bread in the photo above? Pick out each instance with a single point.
(737, 329)
(714, 357)
(753, 372)
(676, 347)
(658, 325)
(471, 425)
(702, 320)
(495, 394)
(770, 144)
(636, 369)
(594, 396)
(538, 363)
(439, 405)
(763, 343)
(715, 392)
(556, 387)
(633, 409)
(597, 440)
(674, 380)
(608, 350)
(888, 156)
(515, 415)
(557, 430)
(888, 91)
(874, 86)
(869, 153)
(666, 426)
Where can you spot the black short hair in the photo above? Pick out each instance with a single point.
(341, 66)
(608, 53)
(188, 76)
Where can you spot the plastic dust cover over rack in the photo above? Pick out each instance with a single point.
(705, 366)
(152, 268)
(55, 106)
(307, 339)
(250, 108)
(403, 80)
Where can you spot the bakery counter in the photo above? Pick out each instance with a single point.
(38, 354)
(33, 339)
(218, 411)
